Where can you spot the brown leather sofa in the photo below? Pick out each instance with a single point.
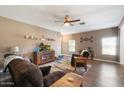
(26, 74)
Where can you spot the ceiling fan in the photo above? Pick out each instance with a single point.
(68, 21)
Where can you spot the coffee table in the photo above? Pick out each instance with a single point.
(69, 80)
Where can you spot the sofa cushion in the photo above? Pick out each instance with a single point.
(52, 78)
(45, 70)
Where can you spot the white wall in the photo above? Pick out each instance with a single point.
(122, 44)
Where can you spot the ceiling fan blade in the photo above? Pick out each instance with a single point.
(75, 20)
(58, 21)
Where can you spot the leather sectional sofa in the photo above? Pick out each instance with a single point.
(26, 74)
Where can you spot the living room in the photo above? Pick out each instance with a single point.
(58, 42)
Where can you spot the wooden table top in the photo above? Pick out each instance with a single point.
(69, 80)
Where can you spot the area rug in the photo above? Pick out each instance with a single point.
(66, 67)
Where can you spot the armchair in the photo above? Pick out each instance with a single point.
(80, 60)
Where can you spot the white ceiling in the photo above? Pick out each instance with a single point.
(95, 16)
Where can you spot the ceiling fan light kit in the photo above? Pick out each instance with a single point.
(68, 21)
(66, 24)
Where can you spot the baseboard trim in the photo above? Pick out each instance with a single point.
(99, 59)
(107, 60)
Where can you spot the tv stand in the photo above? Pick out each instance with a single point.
(43, 57)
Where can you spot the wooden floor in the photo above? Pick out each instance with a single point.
(104, 74)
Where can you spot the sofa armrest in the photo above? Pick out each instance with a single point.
(45, 70)
(52, 78)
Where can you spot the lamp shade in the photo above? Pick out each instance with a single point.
(15, 49)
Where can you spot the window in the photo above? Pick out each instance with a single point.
(109, 46)
(71, 45)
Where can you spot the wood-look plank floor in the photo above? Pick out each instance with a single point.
(104, 74)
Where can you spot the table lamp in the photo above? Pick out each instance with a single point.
(15, 49)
